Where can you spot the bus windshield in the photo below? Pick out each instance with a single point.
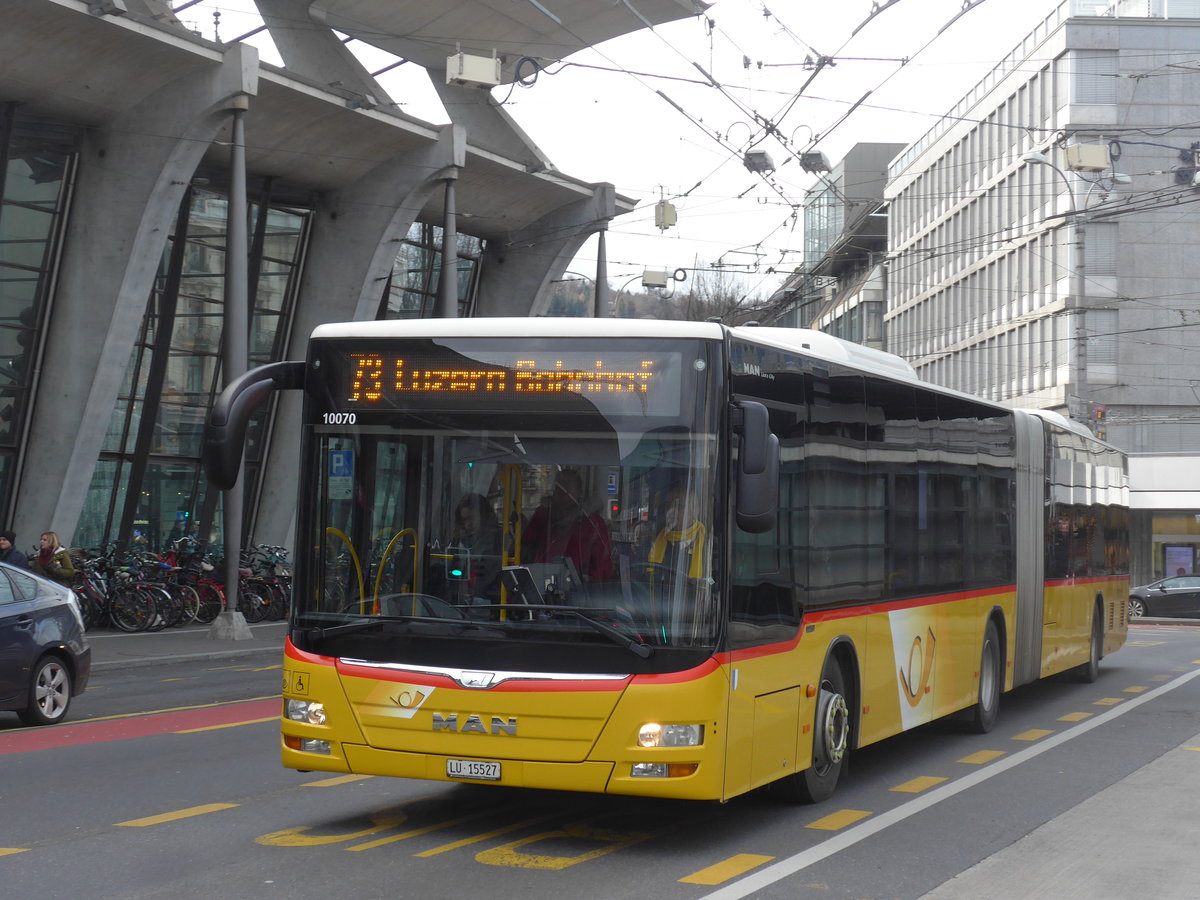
(577, 513)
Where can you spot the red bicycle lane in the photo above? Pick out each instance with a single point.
(31, 740)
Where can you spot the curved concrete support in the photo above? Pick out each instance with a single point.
(490, 125)
(316, 52)
(515, 275)
(356, 236)
(132, 176)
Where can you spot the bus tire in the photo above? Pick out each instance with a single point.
(831, 741)
(982, 716)
(1090, 670)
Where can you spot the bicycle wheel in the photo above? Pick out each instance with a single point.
(212, 601)
(160, 602)
(130, 610)
(252, 605)
(189, 599)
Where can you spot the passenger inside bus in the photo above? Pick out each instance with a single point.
(562, 526)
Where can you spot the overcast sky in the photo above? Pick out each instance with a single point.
(600, 116)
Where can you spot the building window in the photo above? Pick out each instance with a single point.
(148, 486)
(1093, 76)
(40, 159)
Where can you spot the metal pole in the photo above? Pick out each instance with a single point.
(235, 360)
(447, 302)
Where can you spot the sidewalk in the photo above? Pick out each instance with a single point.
(113, 649)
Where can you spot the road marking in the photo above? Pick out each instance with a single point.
(730, 868)
(475, 839)
(1075, 717)
(228, 725)
(417, 832)
(177, 815)
(1136, 689)
(9, 851)
(838, 820)
(340, 779)
(982, 756)
(923, 783)
(1033, 734)
(1109, 701)
(839, 842)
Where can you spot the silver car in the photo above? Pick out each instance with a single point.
(45, 659)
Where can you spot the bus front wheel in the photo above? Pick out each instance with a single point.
(831, 741)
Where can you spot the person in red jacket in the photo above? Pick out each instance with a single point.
(561, 526)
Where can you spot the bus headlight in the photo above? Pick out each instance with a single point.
(653, 734)
(306, 711)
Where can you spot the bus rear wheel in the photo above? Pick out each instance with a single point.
(831, 741)
(1090, 670)
(982, 716)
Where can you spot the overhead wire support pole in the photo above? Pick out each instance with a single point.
(230, 622)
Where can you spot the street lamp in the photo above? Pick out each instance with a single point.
(1076, 302)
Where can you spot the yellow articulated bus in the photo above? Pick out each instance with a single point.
(666, 559)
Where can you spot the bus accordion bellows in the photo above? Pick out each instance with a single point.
(669, 559)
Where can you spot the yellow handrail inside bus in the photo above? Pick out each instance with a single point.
(383, 563)
(362, 594)
(510, 537)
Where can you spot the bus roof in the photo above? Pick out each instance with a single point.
(801, 340)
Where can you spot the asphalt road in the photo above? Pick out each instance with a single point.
(166, 783)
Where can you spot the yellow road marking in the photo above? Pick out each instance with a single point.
(1034, 734)
(730, 868)
(416, 832)
(1075, 717)
(1197, 749)
(340, 779)
(917, 785)
(1136, 689)
(1110, 701)
(466, 842)
(981, 757)
(177, 815)
(838, 820)
(9, 851)
(227, 725)
(1161, 678)
(1144, 643)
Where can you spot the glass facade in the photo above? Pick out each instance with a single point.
(411, 289)
(148, 486)
(37, 166)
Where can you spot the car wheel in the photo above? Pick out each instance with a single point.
(49, 693)
(1137, 607)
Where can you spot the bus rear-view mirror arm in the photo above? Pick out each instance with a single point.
(757, 487)
(225, 430)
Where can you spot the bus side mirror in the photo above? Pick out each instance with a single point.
(225, 430)
(757, 477)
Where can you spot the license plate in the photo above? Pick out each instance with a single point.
(473, 768)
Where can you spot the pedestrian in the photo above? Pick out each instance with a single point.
(53, 561)
(10, 554)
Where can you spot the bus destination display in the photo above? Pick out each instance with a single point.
(617, 381)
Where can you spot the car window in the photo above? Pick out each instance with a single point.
(26, 587)
(7, 594)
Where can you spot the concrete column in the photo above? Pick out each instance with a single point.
(515, 275)
(132, 176)
(356, 236)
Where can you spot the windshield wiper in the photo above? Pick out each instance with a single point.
(317, 632)
(633, 643)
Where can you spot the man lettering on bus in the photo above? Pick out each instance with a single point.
(562, 526)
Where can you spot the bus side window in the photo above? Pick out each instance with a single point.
(763, 593)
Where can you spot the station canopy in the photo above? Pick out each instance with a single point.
(547, 30)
